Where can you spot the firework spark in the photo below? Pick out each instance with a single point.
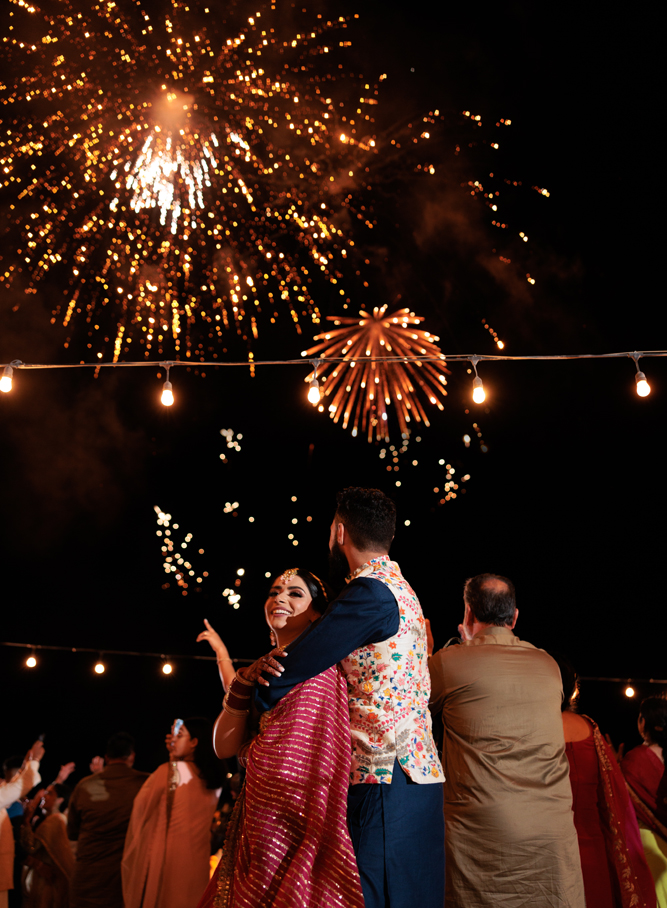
(361, 389)
(178, 171)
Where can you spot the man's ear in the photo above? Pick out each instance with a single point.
(516, 615)
(340, 533)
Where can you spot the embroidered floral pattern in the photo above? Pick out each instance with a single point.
(389, 687)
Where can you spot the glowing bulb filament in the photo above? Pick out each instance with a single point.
(167, 394)
(314, 392)
(6, 380)
(643, 387)
(478, 394)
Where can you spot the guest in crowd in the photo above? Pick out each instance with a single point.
(510, 835)
(375, 629)
(16, 784)
(287, 842)
(97, 819)
(167, 847)
(49, 863)
(644, 771)
(612, 857)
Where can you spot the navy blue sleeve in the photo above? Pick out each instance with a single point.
(365, 612)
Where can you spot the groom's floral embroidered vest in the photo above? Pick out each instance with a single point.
(389, 687)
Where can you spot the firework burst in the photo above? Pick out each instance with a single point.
(363, 387)
(176, 172)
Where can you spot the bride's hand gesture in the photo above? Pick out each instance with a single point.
(211, 636)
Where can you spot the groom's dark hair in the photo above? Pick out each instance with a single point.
(368, 516)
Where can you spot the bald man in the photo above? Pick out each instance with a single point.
(510, 835)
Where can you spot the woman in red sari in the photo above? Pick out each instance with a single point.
(644, 771)
(287, 843)
(612, 858)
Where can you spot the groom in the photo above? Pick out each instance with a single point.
(375, 629)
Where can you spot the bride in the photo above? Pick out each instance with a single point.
(287, 843)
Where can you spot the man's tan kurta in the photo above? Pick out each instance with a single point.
(98, 817)
(509, 830)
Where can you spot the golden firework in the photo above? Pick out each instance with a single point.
(176, 168)
(373, 376)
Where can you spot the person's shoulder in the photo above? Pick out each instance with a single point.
(635, 756)
(370, 587)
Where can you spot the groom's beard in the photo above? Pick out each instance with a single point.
(338, 568)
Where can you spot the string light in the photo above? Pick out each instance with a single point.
(100, 667)
(167, 398)
(478, 393)
(31, 661)
(643, 387)
(314, 387)
(6, 380)
(167, 668)
(629, 691)
(384, 367)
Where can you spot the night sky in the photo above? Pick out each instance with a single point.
(567, 499)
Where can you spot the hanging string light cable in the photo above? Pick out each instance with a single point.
(114, 652)
(643, 388)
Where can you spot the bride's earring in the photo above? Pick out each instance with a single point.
(272, 637)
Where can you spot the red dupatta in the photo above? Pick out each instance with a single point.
(645, 775)
(287, 844)
(624, 846)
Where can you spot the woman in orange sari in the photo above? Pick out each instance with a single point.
(167, 846)
(287, 843)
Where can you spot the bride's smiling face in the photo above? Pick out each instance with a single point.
(289, 605)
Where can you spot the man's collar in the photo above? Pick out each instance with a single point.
(381, 559)
(492, 630)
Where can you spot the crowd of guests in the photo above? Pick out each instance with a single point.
(347, 801)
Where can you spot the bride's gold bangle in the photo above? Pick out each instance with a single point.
(243, 680)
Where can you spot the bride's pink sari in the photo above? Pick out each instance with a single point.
(287, 843)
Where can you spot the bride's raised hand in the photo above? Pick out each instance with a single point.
(211, 636)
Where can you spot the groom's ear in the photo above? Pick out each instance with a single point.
(340, 533)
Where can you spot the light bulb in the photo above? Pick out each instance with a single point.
(478, 394)
(314, 392)
(167, 394)
(643, 387)
(629, 692)
(167, 668)
(31, 662)
(99, 668)
(6, 380)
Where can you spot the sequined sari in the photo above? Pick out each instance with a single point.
(287, 843)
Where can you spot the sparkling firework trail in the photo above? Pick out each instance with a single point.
(361, 390)
(180, 171)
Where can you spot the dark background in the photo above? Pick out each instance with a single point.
(567, 499)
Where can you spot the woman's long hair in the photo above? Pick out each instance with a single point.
(210, 768)
(654, 713)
